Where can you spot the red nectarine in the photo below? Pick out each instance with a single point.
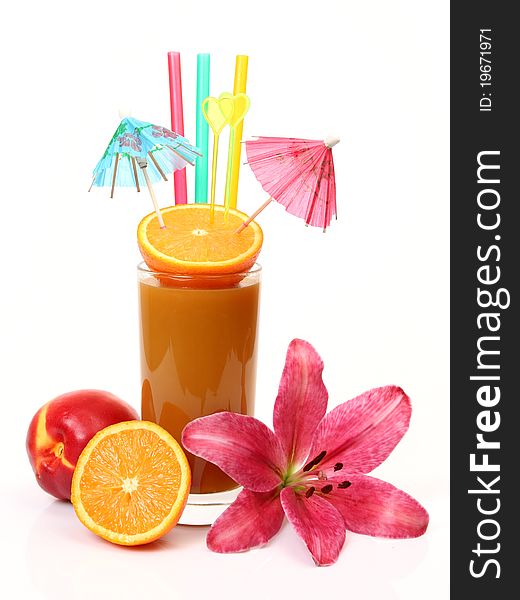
(63, 427)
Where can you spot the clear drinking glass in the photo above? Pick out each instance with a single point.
(199, 338)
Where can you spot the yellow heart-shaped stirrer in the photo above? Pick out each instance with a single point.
(241, 105)
(218, 111)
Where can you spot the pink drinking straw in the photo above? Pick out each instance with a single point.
(174, 70)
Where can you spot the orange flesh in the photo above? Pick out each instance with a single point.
(190, 236)
(194, 242)
(131, 483)
(121, 479)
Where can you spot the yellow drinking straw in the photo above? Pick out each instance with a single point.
(217, 112)
(240, 108)
(235, 145)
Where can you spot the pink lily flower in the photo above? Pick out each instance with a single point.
(312, 469)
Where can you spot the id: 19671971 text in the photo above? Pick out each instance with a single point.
(485, 70)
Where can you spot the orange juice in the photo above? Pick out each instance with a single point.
(198, 355)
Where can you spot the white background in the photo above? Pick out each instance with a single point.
(371, 294)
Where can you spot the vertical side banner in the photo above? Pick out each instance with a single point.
(485, 258)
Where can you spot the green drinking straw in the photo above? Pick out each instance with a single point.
(201, 166)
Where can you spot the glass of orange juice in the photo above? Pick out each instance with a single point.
(199, 338)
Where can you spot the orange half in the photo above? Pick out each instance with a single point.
(131, 483)
(194, 243)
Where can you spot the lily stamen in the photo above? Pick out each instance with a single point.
(326, 489)
(315, 461)
(310, 492)
(344, 485)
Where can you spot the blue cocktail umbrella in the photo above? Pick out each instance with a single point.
(141, 153)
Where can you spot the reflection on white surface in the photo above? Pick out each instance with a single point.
(66, 561)
(205, 509)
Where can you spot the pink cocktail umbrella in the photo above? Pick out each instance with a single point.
(298, 174)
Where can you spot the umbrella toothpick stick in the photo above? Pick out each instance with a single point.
(143, 164)
(114, 176)
(254, 215)
(161, 172)
(134, 169)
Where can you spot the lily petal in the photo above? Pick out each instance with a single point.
(301, 402)
(374, 507)
(251, 521)
(242, 446)
(317, 522)
(361, 432)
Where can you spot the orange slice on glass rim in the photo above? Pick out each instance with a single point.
(194, 243)
(131, 483)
